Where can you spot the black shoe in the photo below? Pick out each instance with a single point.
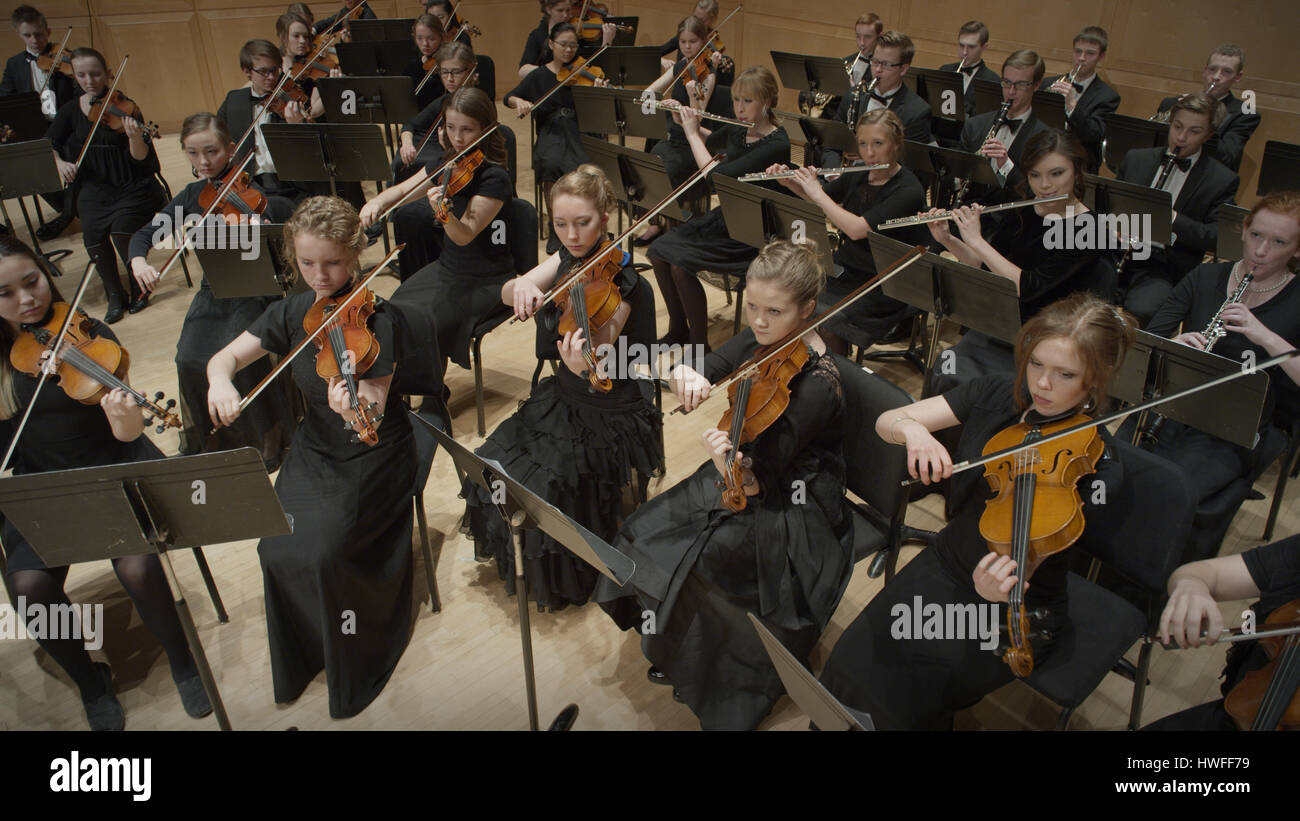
(114, 315)
(657, 676)
(374, 232)
(564, 721)
(53, 228)
(105, 713)
(139, 305)
(193, 697)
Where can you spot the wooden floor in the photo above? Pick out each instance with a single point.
(462, 669)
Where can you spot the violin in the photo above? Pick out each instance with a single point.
(89, 367)
(460, 27)
(454, 178)
(590, 21)
(430, 62)
(1036, 511)
(45, 62)
(1267, 698)
(315, 67)
(347, 349)
(116, 109)
(587, 75)
(240, 201)
(756, 401)
(593, 304)
(289, 92)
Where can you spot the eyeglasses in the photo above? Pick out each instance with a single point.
(1019, 85)
(883, 64)
(267, 72)
(452, 72)
(565, 44)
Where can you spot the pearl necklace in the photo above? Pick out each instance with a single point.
(1250, 289)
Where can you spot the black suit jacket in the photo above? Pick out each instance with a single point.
(1233, 132)
(976, 129)
(18, 80)
(1096, 101)
(982, 72)
(1209, 184)
(237, 113)
(907, 104)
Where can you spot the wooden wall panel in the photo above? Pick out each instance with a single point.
(155, 61)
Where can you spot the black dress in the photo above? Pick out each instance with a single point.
(210, 324)
(536, 50)
(702, 242)
(919, 684)
(559, 147)
(430, 155)
(433, 89)
(676, 150)
(463, 286)
(338, 589)
(900, 196)
(786, 557)
(575, 448)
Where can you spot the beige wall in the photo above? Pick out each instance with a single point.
(184, 53)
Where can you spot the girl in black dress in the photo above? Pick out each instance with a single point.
(455, 64)
(426, 33)
(338, 589)
(464, 284)
(1065, 357)
(575, 447)
(1029, 246)
(296, 44)
(212, 323)
(537, 49)
(855, 204)
(1266, 322)
(676, 151)
(785, 557)
(456, 30)
(62, 434)
(118, 190)
(701, 243)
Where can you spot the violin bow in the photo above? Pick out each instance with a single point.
(649, 215)
(707, 39)
(102, 109)
(326, 42)
(472, 70)
(45, 372)
(187, 234)
(343, 18)
(54, 62)
(258, 111)
(1119, 414)
(870, 285)
(573, 75)
(288, 359)
(430, 180)
(1231, 634)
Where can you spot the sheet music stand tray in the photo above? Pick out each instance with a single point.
(389, 29)
(628, 65)
(27, 169)
(1119, 197)
(148, 507)
(377, 57)
(22, 112)
(1280, 168)
(639, 177)
(755, 216)
(1125, 134)
(231, 276)
(823, 709)
(317, 152)
(831, 134)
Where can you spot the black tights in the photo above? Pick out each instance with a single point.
(688, 307)
(143, 578)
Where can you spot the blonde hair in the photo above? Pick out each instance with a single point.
(1102, 335)
(1200, 103)
(205, 121)
(331, 218)
(588, 182)
(1026, 58)
(794, 267)
(11, 246)
(758, 83)
(888, 120)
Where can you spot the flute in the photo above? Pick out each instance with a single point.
(673, 105)
(821, 172)
(943, 215)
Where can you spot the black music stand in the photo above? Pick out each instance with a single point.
(1049, 108)
(1280, 168)
(390, 29)
(943, 90)
(524, 510)
(231, 275)
(598, 111)
(829, 134)
(639, 177)
(950, 163)
(378, 57)
(950, 290)
(823, 709)
(1157, 367)
(27, 169)
(755, 216)
(626, 39)
(811, 73)
(22, 112)
(381, 101)
(148, 507)
(1126, 199)
(988, 94)
(1124, 134)
(1230, 219)
(629, 65)
(334, 152)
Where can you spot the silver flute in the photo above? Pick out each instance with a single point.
(821, 172)
(1215, 330)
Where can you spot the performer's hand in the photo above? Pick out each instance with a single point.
(690, 386)
(223, 403)
(145, 274)
(717, 443)
(927, 459)
(967, 218)
(67, 170)
(407, 152)
(1239, 319)
(1190, 605)
(340, 400)
(522, 107)
(1192, 339)
(939, 228)
(119, 406)
(293, 112)
(570, 348)
(690, 120)
(994, 577)
(994, 150)
(527, 297)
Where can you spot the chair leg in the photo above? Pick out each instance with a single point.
(1284, 471)
(1063, 720)
(478, 385)
(1139, 687)
(189, 283)
(211, 584)
(435, 601)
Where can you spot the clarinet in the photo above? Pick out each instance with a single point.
(854, 100)
(993, 129)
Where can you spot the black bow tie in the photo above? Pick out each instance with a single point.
(1078, 87)
(970, 69)
(1183, 163)
(881, 98)
(1012, 125)
(31, 58)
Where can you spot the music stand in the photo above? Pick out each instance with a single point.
(625, 39)
(1124, 134)
(1116, 197)
(954, 163)
(810, 73)
(1280, 168)
(390, 29)
(27, 169)
(1049, 108)
(381, 101)
(22, 112)
(630, 65)
(831, 134)
(756, 216)
(524, 510)
(148, 507)
(639, 177)
(1158, 367)
(379, 57)
(823, 709)
(316, 152)
(231, 275)
(947, 289)
(942, 90)
(597, 111)
(988, 94)
(1228, 244)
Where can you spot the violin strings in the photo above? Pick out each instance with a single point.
(1281, 688)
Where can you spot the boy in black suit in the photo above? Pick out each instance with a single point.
(889, 62)
(1223, 70)
(1087, 98)
(1022, 71)
(22, 76)
(866, 31)
(972, 40)
(1199, 185)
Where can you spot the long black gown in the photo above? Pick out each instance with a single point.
(559, 146)
(575, 448)
(211, 324)
(338, 589)
(786, 557)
